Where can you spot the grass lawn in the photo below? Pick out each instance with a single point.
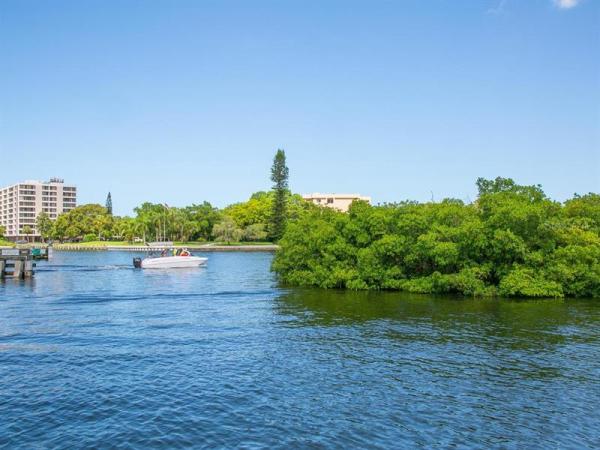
(4, 243)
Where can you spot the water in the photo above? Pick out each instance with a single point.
(95, 354)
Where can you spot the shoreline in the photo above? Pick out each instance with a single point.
(139, 248)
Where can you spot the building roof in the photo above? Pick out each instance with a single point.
(333, 195)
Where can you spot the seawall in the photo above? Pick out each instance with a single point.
(142, 248)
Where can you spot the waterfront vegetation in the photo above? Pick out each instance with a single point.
(279, 177)
(92, 244)
(3, 242)
(262, 218)
(247, 222)
(105, 244)
(512, 241)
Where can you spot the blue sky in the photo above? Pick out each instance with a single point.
(185, 101)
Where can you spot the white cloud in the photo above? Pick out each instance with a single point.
(499, 9)
(566, 4)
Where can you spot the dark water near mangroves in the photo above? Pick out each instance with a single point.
(95, 354)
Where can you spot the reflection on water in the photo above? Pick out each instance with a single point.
(94, 353)
(510, 322)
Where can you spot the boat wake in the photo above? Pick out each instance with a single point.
(105, 298)
(81, 268)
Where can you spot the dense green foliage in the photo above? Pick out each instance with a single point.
(512, 241)
(247, 221)
(43, 225)
(257, 210)
(151, 222)
(255, 232)
(263, 216)
(227, 231)
(27, 231)
(279, 177)
(159, 222)
(85, 219)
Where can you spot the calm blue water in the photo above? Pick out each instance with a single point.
(95, 354)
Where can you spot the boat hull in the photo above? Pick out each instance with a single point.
(173, 262)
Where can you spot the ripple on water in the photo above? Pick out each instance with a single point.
(95, 354)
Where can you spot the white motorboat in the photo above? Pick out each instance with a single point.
(180, 260)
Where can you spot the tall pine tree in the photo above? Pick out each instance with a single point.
(279, 177)
(109, 204)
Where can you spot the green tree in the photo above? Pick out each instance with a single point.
(255, 232)
(153, 216)
(44, 225)
(227, 231)
(2, 231)
(83, 220)
(181, 225)
(585, 209)
(192, 222)
(508, 185)
(59, 229)
(109, 207)
(258, 209)
(203, 218)
(27, 231)
(127, 228)
(512, 241)
(279, 177)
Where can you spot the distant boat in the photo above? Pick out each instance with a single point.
(181, 259)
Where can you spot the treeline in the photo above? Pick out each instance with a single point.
(246, 221)
(512, 241)
(262, 217)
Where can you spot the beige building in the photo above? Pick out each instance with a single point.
(341, 202)
(21, 203)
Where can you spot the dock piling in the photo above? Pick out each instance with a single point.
(21, 262)
(18, 269)
(28, 272)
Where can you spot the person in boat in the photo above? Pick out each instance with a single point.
(184, 252)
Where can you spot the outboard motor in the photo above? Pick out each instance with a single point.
(137, 263)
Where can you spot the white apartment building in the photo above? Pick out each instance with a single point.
(341, 202)
(21, 203)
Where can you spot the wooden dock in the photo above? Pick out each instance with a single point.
(16, 263)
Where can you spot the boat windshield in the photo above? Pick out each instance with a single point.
(169, 252)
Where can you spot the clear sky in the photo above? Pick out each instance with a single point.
(184, 101)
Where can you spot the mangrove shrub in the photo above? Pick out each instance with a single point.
(512, 241)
